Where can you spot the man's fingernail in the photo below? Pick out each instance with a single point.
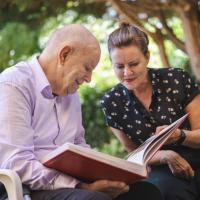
(127, 188)
(122, 184)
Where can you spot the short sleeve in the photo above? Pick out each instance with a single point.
(109, 108)
(107, 111)
(191, 88)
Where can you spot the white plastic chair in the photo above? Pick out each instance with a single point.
(12, 183)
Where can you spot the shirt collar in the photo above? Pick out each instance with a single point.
(154, 79)
(41, 81)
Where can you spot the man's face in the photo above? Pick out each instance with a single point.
(77, 69)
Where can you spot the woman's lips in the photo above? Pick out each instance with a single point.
(129, 80)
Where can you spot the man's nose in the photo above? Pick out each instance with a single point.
(88, 77)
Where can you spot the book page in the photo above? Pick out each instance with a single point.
(138, 154)
(145, 151)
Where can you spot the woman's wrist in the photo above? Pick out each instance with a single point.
(181, 138)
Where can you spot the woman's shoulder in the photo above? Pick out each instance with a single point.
(169, 70)
(115, 93)
(119, 88)
(170, 73)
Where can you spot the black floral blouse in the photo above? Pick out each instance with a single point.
(173, 89)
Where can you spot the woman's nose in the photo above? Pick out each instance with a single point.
(127, 70)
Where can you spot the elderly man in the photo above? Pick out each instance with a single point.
(40, 110)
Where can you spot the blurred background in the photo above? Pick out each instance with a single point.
(173, 27)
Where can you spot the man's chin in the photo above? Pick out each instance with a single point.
(71, 91)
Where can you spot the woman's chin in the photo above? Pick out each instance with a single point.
(128, 86)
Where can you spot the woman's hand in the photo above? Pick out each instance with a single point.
(111, 188)
(173, 138)
(177, 164)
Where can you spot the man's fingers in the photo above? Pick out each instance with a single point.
(110, 184)
(111, 188)
(106, 184)
(190, 172)
(116, 191)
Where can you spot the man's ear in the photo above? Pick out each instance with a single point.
(64, 53)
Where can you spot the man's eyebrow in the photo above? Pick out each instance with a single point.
(91, 66)
(87, 67)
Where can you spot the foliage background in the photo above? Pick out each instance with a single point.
(24, 35)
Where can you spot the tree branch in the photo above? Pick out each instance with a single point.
(129, 16)
(132, 18)
(170, 33)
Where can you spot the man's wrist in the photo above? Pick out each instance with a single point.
(82, 185)
(78, 185)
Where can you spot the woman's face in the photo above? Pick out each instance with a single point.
(130, 66)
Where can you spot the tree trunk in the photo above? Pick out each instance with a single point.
(158, 38)
(192, 38)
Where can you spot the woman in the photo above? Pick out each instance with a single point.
(147, 99)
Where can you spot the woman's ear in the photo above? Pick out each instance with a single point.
(64, 53)
(147, 56)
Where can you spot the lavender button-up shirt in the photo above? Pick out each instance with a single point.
(33, 123)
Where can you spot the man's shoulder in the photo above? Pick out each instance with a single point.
(18, 75)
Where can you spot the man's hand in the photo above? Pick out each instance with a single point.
(111, 188)
(177, 164)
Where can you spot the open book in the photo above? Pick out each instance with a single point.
(90, 165)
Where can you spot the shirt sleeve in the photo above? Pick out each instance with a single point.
(191, 88)
(63, 180)
(17, 142)
(109, 110)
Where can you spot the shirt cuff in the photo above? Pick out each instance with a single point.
(64, 181)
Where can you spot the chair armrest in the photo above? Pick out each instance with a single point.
(12, 183)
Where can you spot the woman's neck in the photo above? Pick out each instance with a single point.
(143, 88)
(144, 94)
